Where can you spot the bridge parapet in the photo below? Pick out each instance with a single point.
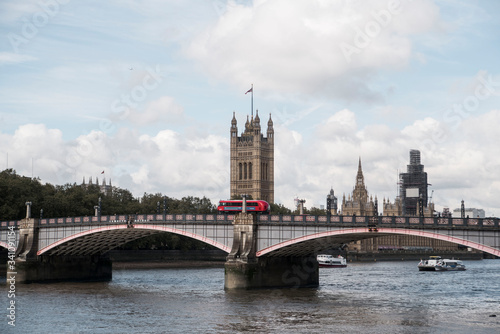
(113, 219)
(393, 221)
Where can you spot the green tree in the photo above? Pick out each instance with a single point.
(279, 209)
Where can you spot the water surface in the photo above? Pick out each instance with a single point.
(380, 297)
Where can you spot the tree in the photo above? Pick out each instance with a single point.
(279, 209)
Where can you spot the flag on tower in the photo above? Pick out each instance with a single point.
(249, 91)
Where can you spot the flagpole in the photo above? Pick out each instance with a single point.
(252, 101)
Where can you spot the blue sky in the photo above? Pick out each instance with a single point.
(145, 90)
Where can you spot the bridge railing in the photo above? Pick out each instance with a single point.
(6, 224)
(139, 218)
(416, 222)
(383, 221)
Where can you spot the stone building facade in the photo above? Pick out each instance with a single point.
(106, 189)
(359, 204)
(252, 160)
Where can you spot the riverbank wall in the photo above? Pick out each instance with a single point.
(410, 256)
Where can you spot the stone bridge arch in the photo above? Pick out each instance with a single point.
(104, 238)
(315, 242)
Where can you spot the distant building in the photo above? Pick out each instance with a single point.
(392, 209)
(252, 160)
(413, 188)
(332, 202)
(359, 204)
(106, 189)
(469, 213)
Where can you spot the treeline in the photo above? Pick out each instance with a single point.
(72, 200)
(79, 200)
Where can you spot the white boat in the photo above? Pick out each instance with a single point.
(436, 263)
(329, 261)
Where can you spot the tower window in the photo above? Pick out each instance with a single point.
(245, 170)
(250, 170)
(240, 171)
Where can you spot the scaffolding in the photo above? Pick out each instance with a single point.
(413, 186)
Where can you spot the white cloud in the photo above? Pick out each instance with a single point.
(175, 164)
(164, 109)
(14, 58)
(299, 48)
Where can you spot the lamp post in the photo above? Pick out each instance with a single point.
(244, 204)
(28, 210)
(328, 207)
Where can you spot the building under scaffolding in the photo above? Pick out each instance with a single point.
(413, 187)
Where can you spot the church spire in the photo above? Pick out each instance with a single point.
(360, 180)
(234, 127)
(233, 121)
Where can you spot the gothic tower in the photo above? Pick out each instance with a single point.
(252, 160)
(413, 186)
(359, 204)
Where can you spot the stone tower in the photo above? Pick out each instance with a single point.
(359, 204)
(252, 160)
(413, 186)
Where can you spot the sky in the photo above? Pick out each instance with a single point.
(145, 91)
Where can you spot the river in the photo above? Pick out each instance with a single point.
(379, 297)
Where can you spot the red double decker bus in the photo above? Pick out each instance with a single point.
(229, 206)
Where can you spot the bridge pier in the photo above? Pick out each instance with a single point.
(243, 270)
(30, 267)
(272, 272)
(64, 268)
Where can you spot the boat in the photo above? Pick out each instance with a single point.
(329, 261)
(436, 263)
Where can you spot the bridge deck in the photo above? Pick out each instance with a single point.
(411, 222)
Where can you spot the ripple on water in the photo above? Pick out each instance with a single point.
(391, 297)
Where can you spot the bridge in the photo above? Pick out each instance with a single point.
(263, 250)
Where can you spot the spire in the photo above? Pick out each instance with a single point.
(233, 121)
(270, 130)
(234, 127)
(270, 122)
(256, 124)
(257, 118)
(360, 180)
(247, 125)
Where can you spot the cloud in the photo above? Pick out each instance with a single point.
(179, 164)
(164, 109)
(313, 48)
(7, 58)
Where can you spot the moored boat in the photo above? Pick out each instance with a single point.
(436, 263)
(329, 261)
